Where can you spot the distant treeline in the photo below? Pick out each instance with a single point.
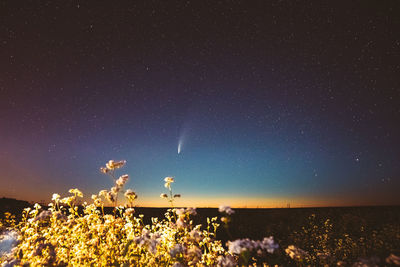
(12, 205)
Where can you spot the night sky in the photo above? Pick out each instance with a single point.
(272, 102)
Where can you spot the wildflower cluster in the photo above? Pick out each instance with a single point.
(248, 249)
(112, 194)
(66, 234)
(58, 237)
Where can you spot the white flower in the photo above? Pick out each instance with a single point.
(269, 244)
(76, 192)
(112, 165)
(122, 180)
(168, 181)
(191, 211)
(103, 193)
(226, 209)
(130, 195)
(180, 212)
(151, 240)
(129, 211)
(236, 247)
(164, 196)
(55, 197)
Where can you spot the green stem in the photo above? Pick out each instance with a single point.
(171, 200)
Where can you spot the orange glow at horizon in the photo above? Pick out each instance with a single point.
(251, 202)
(206, 201)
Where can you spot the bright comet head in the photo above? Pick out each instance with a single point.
(179, 147)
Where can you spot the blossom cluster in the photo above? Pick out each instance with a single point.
(112, 195)
(94, 238)
(267, 244)
(64, 234)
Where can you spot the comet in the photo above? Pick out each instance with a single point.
(179, 147)
(182, 137)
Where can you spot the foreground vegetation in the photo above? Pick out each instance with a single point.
(64, 234)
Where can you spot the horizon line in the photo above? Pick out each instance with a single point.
(291, 206)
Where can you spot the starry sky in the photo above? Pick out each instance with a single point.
(272, 102)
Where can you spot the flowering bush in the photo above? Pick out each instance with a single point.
(65, 234)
